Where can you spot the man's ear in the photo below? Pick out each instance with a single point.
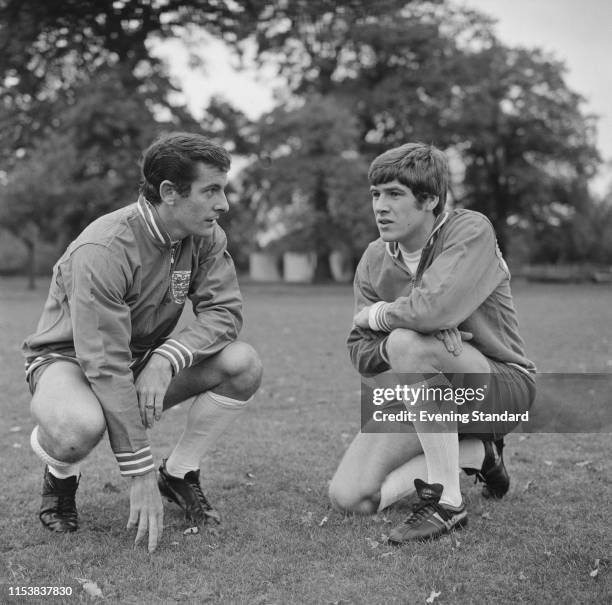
(432, 201)
(168, 192)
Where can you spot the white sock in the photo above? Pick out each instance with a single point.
(399, 483)
(442, 456)
(59, 469)
(208, 418)
(471, 453)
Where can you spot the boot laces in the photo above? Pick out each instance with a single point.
(421, 510)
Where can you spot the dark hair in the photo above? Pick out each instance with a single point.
(420, 167)
(174, 157)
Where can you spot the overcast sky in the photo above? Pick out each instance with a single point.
(578, 32)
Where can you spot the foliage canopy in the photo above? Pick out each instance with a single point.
(83, 93)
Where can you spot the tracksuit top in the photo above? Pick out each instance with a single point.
(116, 295)
(462, 281)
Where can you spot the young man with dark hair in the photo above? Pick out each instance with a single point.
(103, 358)
(433, 280)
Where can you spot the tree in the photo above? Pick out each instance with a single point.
(310, 170)
(437, 73)
(50, 47)
(85, 166)
(81, 96)
(525, 143)
(407, 71)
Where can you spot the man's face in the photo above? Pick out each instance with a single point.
(198, 211)
(400, 217)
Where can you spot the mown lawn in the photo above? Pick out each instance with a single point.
(279, 542)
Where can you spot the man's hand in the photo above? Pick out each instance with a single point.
(151, 386)
(361, 319)
(146, 509)
(452, 340)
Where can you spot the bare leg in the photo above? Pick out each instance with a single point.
(234, 372)
(411, 352)
(379, 469)
(68, 414)
(69, 425)
(356, 484)
(222, 384)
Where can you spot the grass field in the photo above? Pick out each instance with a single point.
(279, 542)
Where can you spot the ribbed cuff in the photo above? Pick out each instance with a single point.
(376, 317)
(372, 315)
(177, 354)
(136, 463)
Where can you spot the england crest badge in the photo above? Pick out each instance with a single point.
(179, 286)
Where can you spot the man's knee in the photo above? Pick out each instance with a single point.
(345, 498)
(408, 350)
(243, 367)
(70, 440)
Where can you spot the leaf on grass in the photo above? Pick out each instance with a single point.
(90, 587)
(547, 553)
(16, 445)
(486, 515)
(433, 595)
(584, 463)
(323, 521)
(250, 475)
(527, 485)
(306, 519)
(191, 530)
(548, 462)
(384, 555)
(522, 576)
(372, 543)
(455, 541)
(14, 429)
(595, 571)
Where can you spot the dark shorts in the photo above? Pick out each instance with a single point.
(507, 394)
(510, 390)
(37, 365)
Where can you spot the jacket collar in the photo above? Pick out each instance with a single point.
(153, 222)
(393, 247)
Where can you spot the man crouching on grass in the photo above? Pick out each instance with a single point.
(431, 281)
(102, 358)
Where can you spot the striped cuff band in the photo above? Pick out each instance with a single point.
(177, 354)
(136, 463)
(377, 319)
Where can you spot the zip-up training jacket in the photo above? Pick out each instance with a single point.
(462, 281)
(117, 293)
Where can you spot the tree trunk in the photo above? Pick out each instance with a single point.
(322, 270)
(29, 236)
(31, 246)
